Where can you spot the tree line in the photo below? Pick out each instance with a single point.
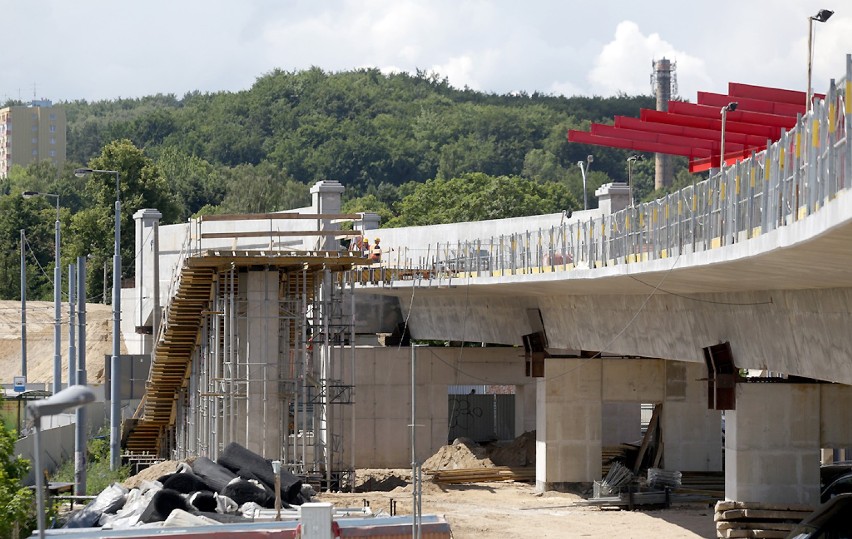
(407, 146)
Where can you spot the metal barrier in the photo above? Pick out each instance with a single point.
(793, 178)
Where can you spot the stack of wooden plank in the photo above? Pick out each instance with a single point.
(753, 519)
(478, 475)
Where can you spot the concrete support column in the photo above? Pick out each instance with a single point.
(525, 417)
(263, 431)
(326, 199)
(612, 197)
(568, 423)
(692, 433)
(772, 444)
(147, 221)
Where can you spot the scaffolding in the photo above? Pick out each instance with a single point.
(266, 367)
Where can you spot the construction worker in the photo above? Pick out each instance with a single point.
(376, 252)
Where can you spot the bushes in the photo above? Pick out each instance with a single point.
(17, 505)
(98, 474)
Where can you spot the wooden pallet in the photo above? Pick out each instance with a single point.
(481, 475)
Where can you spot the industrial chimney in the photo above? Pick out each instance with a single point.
(664, 84)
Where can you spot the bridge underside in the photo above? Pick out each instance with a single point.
(783, 300)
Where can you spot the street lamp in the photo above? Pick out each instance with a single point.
(67, 399)
(732, 106)
(57, 297)
(822, 16)
(115, 404)
(588, 163)
(630, 160)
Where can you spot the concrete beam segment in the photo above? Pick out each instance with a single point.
(772, 448)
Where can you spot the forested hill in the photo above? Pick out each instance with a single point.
(362, 128)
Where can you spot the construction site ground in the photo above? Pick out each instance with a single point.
(481, 510)
(512, 509)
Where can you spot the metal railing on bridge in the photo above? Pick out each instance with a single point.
(793, 178)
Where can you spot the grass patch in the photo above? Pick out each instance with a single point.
(98, 474)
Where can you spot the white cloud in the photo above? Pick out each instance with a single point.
(624, 64)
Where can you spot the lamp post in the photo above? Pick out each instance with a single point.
(115, 404)
(822, 16)
(630, 160)
(588, 163)
(67, 399)
(57, 296)
(732, 106)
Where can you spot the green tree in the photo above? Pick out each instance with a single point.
(477, 197)
(16, 501)
(140, 186)
(192, 181)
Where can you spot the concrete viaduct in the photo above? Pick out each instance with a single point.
(661, 302)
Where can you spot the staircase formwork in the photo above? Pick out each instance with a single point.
(252, 351)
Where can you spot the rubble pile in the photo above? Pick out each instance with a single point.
(518, 452)
(237, 487)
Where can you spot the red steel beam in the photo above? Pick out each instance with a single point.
(749, 104)
(765, 131)
(664, 138)
(686, 131)
(793, 97)
(583, 137)
(758, 118)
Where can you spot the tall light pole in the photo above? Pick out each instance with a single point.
(822, 16)
(588, 163)
(115, 399)
(57, 296)
(630, 160)
(730, 107)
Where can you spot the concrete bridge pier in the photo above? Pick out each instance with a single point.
(583, 404)
(772, 444)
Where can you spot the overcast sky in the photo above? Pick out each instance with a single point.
(105, 49)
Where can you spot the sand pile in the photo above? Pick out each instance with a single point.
(463, 453)
(151, 473)
(40, 327)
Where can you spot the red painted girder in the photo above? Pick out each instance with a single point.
(664, 138)
(749, 104)
(764, 131)
(702, 164)
(693, 132)
(583, 137)
(758, 118)
(793, 97)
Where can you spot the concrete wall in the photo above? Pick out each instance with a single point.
(692, 434)
(382, 398)
(835, 417)
(57, 444)
(772, 444)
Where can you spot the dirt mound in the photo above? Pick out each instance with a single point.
(381, 480)
(40, 327)
(462, 453)
(518, 452)
(151, 473)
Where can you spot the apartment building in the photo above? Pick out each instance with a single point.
(29, 134)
